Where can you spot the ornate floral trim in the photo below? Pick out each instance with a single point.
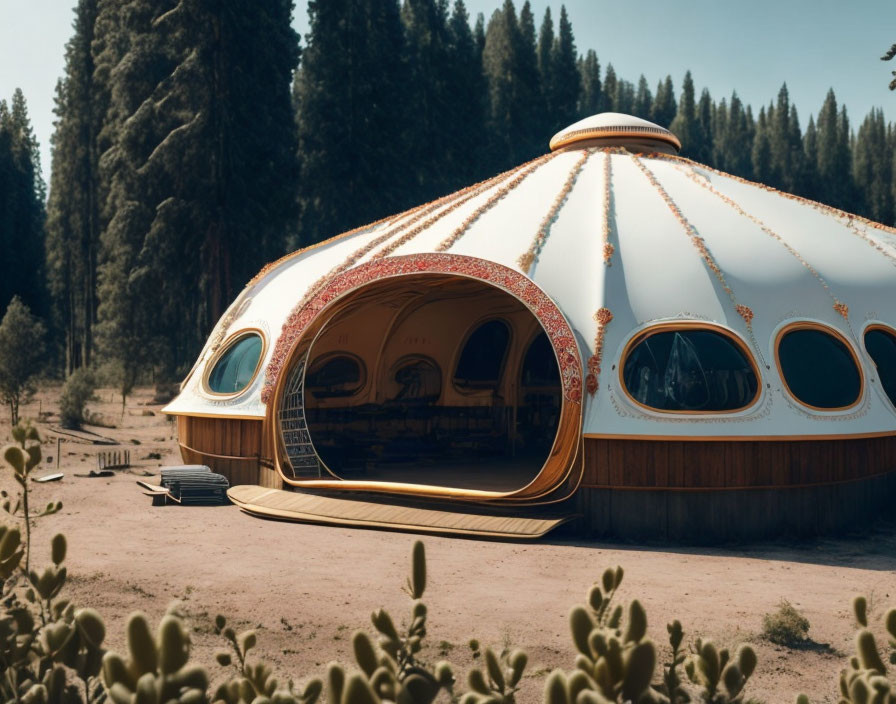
(399, 222)
(608, 248)
(701, 180)
(700, 244)
(603, 318)
(842, 309)
(457, 199)
(513, 282)
(745, 312)
(830, 210)
(544, 228)
(270, 266)
(493, 200)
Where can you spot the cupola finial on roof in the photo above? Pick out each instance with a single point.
(613, 129)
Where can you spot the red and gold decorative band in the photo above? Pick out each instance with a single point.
(513, 282)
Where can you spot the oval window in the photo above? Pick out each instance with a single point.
(479, 366)
(236, 366)
(689, 369)
(335, 377)
(818, 368)
(881, 346)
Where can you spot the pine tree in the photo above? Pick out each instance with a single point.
(834, 169)
(872, 166)
(643, 100)
(609, 90)
(703, 147)
(510, 65)
(684, 126)
(464, 121)
(203, 164)
(22, 212)
(427, 95)
(624, 101)
(590, 97)
(738, 138)
(73, 210)
(564, 74)
(810, 161)
(664, 107)
(351, 121)
(763, 168)
(545, 48)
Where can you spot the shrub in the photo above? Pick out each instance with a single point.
(76, 392)
(21, 355)
(786, 626)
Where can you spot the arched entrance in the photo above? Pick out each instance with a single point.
(426, 379)
(416, 381)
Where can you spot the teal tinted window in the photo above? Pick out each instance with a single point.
(689, 370)
(819, 368)
(235, 368)
(881, 345)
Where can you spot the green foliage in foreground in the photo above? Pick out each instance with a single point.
(52, 652)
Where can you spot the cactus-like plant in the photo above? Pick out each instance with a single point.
(23, 458)
(157, 669)
(867, 680)
(391, 670)
(254, 681)
(50, 651)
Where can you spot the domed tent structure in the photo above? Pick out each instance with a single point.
(609, 331)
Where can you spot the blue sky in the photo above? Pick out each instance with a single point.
(752, 46)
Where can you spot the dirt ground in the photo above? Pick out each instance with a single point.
(306, 588)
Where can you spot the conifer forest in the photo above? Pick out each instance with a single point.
(195, 141)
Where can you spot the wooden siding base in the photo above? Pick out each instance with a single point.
(736, 516)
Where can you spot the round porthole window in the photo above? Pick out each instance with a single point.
(819, 368)
(237, 365)
(881, 345)
(689, 369)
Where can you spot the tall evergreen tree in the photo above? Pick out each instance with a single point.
(21, 208)
(73, 220)
(872, 168)
(428, 95)
(351, 121)
(664, 107)
(564, 75)
(684, 125)
(810, 161)
(510, 65)
(608, 103)
(204, 164)
(643, 100)
(545, 48)
(624, 101)
(703, 147)
(833, 154)
(464, 121)
(590, 98)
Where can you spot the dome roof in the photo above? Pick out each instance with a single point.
(621, 239)
(615, 129)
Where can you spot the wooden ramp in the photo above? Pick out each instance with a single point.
(313, 508)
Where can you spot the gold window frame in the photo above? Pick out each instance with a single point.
(650, 331)
(223, 349)
(836, 334)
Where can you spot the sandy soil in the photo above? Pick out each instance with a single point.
(306, 588)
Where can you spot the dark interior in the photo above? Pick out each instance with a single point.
(480, 410)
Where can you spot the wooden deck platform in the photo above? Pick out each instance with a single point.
(313, 508)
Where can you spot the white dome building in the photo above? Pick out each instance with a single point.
(609, 332)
